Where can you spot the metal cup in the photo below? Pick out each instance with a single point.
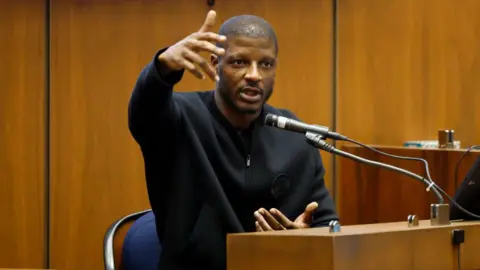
(446, 138)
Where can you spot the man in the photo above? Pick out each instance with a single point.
(212, 167)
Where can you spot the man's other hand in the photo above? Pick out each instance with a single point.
(275, 220)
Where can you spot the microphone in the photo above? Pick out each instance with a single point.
(289, 124)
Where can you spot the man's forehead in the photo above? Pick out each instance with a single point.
(248, 41)
(236, 45)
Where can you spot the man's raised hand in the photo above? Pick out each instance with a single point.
(185, 53)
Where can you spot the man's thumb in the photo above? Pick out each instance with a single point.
(209, 21)
(309, 210)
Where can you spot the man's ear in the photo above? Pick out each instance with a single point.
(214, 60)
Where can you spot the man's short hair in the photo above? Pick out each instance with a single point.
(248, 26)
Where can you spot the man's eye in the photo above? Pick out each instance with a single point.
(238, 62)
(267, 64)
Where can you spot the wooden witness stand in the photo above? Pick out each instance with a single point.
(374, 205)
(393, 246)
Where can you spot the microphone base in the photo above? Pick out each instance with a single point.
(439, 214)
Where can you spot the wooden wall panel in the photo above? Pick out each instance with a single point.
(22, 134)
(98, 50)
(407, 68)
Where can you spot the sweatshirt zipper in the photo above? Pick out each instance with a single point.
(248, 158)
(247, 169)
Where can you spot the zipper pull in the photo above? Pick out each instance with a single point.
(248, 161)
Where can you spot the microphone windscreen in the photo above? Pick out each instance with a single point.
(270, 119)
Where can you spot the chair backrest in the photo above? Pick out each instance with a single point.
(114, 238)
(141, 247)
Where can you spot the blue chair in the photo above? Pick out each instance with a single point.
(132, 243)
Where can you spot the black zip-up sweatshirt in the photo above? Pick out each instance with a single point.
(206, 179)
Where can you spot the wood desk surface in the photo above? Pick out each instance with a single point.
(362, 229)
(393, 246)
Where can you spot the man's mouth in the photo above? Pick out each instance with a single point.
(251, 94)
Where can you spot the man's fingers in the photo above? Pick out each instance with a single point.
(210, 36)
(203, 45)
(258, 227)
(271, 220)
(311, 207)
(186, 64)
(262, 222)
(284, 221)
(200, 61)
(309, 210)
(209, 21)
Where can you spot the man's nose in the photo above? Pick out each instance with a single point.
(253, 74)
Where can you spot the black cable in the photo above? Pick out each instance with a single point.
(427, 170)
(458, 238)
(459, 265)
(458, 163)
